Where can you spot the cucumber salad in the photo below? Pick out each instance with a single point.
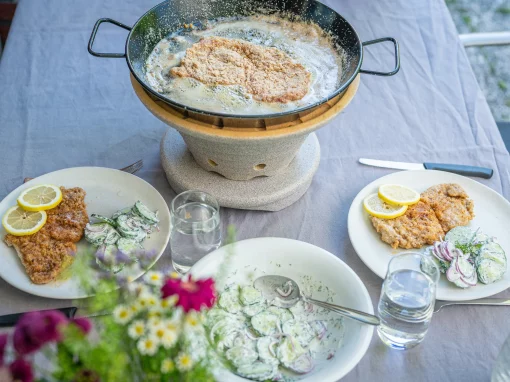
(468, 256)
(263, 342)
(123, 232)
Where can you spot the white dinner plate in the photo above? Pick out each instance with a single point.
(314, 269)
(108, 190)
(492, 216)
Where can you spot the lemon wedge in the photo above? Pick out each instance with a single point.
(19, 222)
(378, 208)
(398, 195)
(40, 198)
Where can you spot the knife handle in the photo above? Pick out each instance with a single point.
(480, 172)
(11, 319)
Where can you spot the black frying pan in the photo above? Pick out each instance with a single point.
(170, 16)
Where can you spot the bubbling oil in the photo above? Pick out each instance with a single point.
(305, 42)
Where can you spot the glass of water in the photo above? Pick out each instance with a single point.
(407, 300)
(196, 229)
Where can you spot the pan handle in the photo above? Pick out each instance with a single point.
(397, 56)
(93, 37)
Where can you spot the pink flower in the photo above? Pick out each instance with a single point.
(35, 329)
(192, 295)
(21, 371)
(3, 343)
(83, 323)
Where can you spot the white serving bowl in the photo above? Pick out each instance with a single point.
(249, 259)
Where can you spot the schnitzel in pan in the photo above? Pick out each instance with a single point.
(441, 208)
(48, 252)
(268, 73)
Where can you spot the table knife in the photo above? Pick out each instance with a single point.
(11, 319)
(480, 301)
(480, 172)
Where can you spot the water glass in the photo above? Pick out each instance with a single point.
(407, 300)
(196, 229)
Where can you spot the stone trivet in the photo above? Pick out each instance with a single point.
(262, 193)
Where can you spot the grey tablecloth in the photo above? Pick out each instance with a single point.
(61, 107)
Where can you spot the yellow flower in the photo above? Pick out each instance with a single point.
(154, 278)
(136, 329)
(167, 366)
(184, 362)
(122, 314)
(148, 346)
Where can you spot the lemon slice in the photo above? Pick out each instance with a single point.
(398, 195)
(19, 222)
(378, 208)
(40, 198)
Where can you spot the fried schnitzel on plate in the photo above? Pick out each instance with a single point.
(104, 191)
(447, 200)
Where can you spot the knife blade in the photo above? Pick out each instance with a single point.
(481, 301)
(480, 172)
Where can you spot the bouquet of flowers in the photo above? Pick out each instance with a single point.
(154, 333)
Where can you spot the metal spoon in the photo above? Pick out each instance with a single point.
(284, 292)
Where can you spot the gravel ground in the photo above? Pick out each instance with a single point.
(491, 65)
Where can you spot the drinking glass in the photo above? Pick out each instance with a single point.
(407, 300)
(196, 229)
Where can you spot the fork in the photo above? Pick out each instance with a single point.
(131, 169)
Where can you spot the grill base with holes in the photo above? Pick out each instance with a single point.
(243, 151)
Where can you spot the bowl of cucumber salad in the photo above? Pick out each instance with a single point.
(259, 341)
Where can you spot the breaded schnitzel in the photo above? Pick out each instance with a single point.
(269, 74)
(417, 227)
(48, 252)
(441, 208)
(451, 205)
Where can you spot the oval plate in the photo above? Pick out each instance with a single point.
(297, 260)
(492, 216)
(108, 190)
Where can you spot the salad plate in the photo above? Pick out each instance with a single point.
(107, 191)
(492, 217)
(318, 273)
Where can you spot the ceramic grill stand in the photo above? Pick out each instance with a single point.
(246, 164)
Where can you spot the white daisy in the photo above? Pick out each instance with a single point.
(167, 366)
(158, 330)
(154, 321)
(122, 314)
(193, 320)
(148, 345)
(169, 339)
(147, 300)
(184, 362)
(136, 329)
(171, 325)
(154, 278)
(168, 302)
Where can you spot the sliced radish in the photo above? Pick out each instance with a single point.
(452, 274)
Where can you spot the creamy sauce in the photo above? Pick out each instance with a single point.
(306, 43)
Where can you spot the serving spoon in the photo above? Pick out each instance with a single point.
(285, 293)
